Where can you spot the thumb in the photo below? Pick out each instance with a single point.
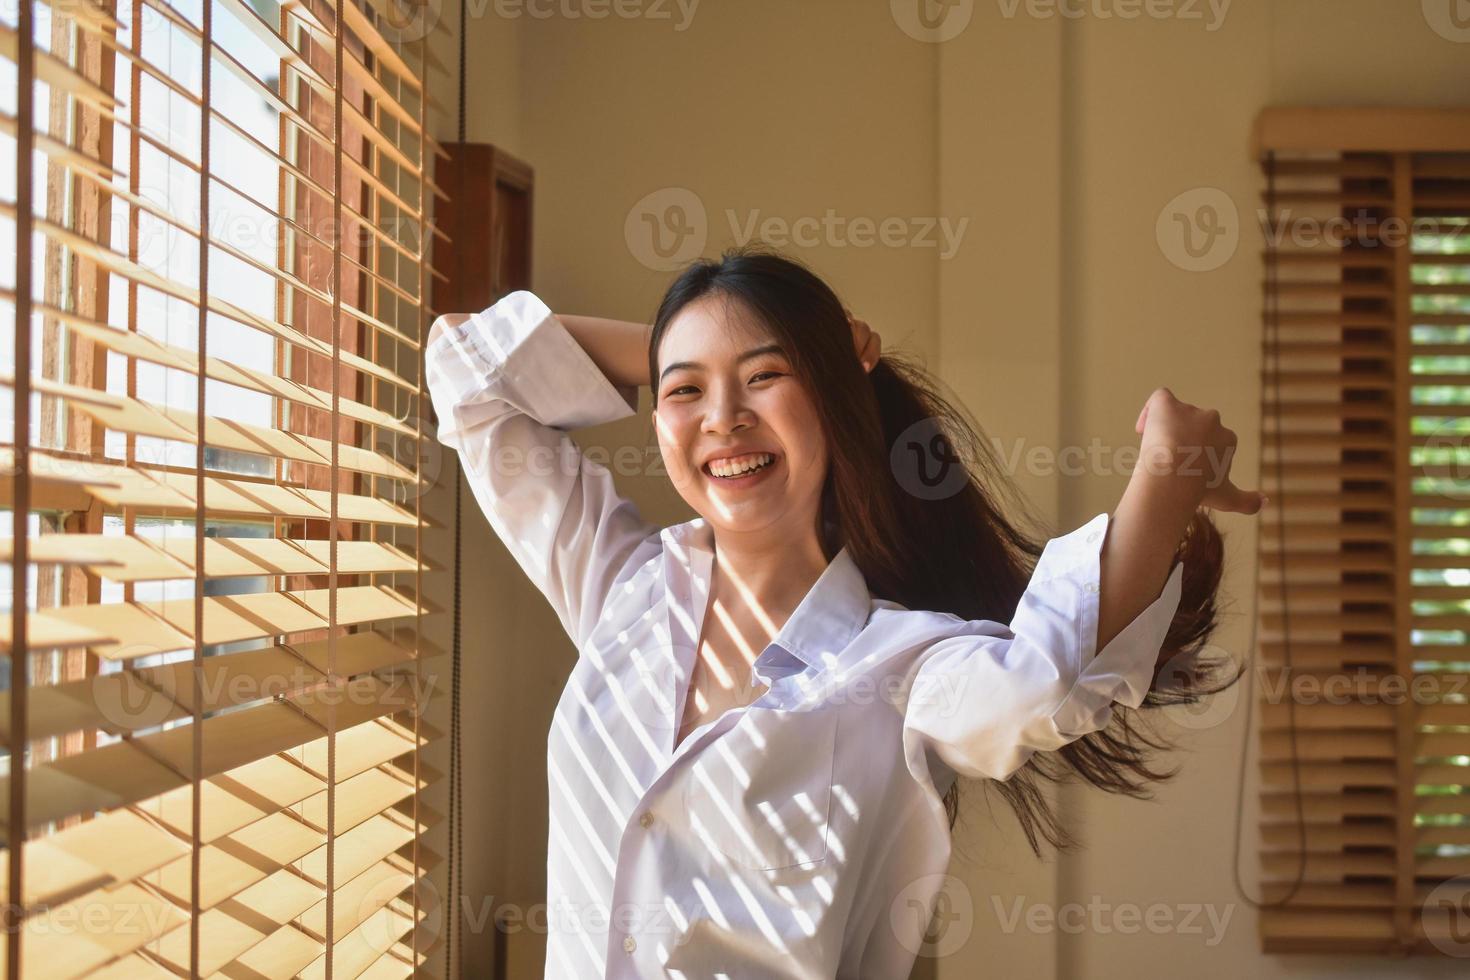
(1233, 499)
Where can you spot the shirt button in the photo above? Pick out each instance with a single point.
(629, 944)
(645, 820)
(1092, 538)
(1091, 587)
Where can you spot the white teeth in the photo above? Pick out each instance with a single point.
(746, 463)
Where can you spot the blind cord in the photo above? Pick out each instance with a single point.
(456, 784)
(452, 935)
(1273, 329)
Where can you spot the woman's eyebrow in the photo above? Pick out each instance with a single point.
(753, 352)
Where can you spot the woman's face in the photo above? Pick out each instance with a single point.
(727, 400)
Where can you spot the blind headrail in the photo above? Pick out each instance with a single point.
(1367, 129)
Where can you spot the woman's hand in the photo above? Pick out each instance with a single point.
(865, 341)
(1185, 443)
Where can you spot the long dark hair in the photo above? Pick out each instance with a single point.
(957, 551)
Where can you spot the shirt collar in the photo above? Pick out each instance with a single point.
(824, 623)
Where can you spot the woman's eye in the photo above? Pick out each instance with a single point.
(691, 389)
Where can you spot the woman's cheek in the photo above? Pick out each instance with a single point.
(675, 440)
(681, 472)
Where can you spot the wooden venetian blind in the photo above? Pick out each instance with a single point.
(1365, 594)
(216, 223)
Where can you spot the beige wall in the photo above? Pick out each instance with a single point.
(1060, 140)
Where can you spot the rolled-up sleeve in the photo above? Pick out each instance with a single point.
(987, 698)
(506, 384)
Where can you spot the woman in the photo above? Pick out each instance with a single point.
(754, 764)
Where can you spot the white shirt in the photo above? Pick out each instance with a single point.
(802, 835)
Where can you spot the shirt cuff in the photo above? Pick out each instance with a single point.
(518, 351)
(1123, 671)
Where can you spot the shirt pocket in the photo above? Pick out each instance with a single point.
(761, 793)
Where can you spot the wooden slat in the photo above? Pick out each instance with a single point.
(1327, 839)
(1328, 868)
(133, 559)
(141, 629)
(1324, 807)
(138, 699)
(117, 922)
(59, 75)
(156, 351)
(121, 773)
(122, 414)
(1337, 927)
(154, 490)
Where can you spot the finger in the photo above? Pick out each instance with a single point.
(1233, 499)
(1142, 416)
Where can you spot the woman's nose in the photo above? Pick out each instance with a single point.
(727, 412)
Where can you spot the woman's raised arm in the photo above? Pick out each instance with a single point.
(507, 383)
(618, 347)
(990, 695)
(1184, 463)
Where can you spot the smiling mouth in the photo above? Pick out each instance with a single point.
(751, 464)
